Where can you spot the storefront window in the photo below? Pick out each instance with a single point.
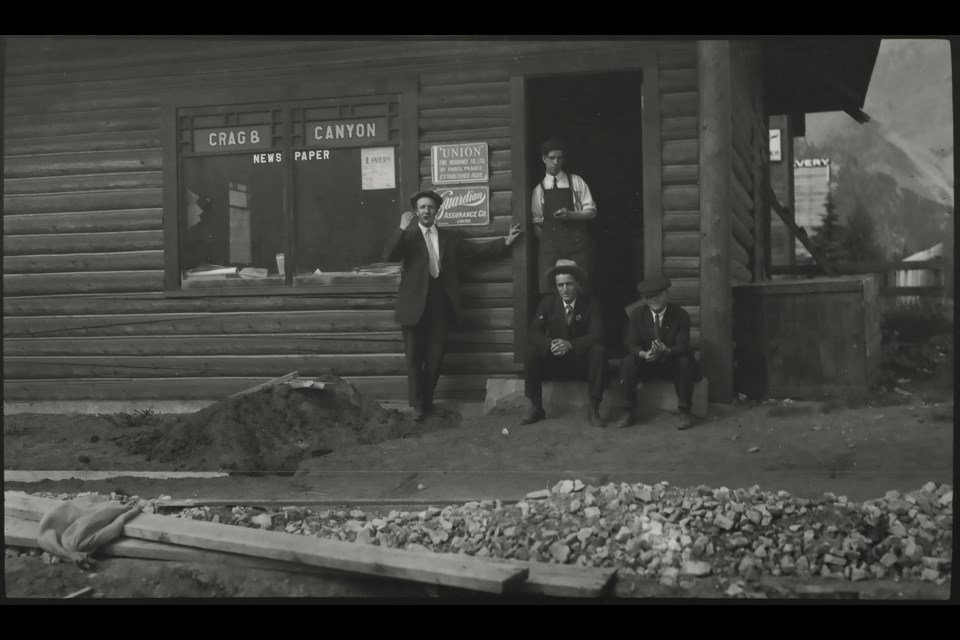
(290, 193)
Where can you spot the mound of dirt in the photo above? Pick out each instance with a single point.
(272, 430)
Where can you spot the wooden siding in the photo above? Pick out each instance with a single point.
(85, 315)
(680, 177)
(749, 159)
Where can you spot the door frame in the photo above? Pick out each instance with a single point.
(646, 61)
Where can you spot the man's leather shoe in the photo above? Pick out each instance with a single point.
(593, 417)
(536, 414)
(686, 421)
(419, 414)
(626, 420)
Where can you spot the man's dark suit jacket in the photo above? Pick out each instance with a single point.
(410, 246)
(675, 330)
(550, 323)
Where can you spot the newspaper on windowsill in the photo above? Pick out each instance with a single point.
(379, 269)
(253, 272)
(211, 271)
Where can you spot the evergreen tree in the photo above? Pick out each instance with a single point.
(829, 238)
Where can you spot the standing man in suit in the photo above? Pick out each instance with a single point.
(658, 346)
(560, 209)
(565, 341)
(428, 303)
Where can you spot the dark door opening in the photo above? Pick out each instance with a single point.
(598, 116)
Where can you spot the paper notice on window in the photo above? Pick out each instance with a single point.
(378, 168)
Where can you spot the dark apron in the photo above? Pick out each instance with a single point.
(567, 239)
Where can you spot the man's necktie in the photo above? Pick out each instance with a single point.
(569, 314)
(554, 182)
(434, 261)
(657, 327)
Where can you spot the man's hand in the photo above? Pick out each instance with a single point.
(560, 347)
(407, 218)
(513, 235)
(659, 349)
(649, 356)
(561, 214)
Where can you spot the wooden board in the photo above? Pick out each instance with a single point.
(499, 340)
(13, 475)
(66, 263)
(84, 222)
(681, 198)
(173, 324)
(680, 152)
(448, 570)
(466, 387)
(343, 365)
(681, 174)
(45, 243)
(483, 295)
(111, 141)
(33, 284)
(266, 385)
(38, 164)
(83, 201)
(544, 579)
(673, 105)
(18, 532)
(715, 194)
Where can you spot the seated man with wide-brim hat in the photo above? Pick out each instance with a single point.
(658, 346)
(565, 341)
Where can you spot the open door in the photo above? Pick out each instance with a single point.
(599, 118)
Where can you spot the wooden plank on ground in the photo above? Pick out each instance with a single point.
(448, 570)
(562, 580)
(544, 579)
(14, 475)
(266, 385)
(18, 532)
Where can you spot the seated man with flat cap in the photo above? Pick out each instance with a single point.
(565, 341)
(428, 303)
(658, 346)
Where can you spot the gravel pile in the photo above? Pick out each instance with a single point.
(660, 532)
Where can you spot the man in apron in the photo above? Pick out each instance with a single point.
(561, 207)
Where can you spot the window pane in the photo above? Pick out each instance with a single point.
(344, 211)
(232, 215)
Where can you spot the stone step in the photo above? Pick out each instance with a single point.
(565, 396)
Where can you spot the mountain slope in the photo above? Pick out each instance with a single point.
(910, 137)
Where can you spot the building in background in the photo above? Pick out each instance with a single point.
(185, 218)
(811, 186)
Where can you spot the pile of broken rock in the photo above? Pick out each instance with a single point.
(662, 531)
(657, 532)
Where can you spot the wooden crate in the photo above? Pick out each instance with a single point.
(798, 338)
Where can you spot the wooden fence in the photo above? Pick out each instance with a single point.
(887, 271)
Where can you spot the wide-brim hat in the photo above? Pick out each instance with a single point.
(653, 284)
(433, 195)
(567, 266)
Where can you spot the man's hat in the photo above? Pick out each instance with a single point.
(653, 284)
(433, 195)
(553, 144)
(567, 266)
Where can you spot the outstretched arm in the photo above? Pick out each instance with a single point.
(489, 249)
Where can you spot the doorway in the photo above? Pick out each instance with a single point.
(599, 118)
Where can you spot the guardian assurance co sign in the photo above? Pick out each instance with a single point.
(464, 206)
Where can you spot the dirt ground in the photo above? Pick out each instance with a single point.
(860, 447)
